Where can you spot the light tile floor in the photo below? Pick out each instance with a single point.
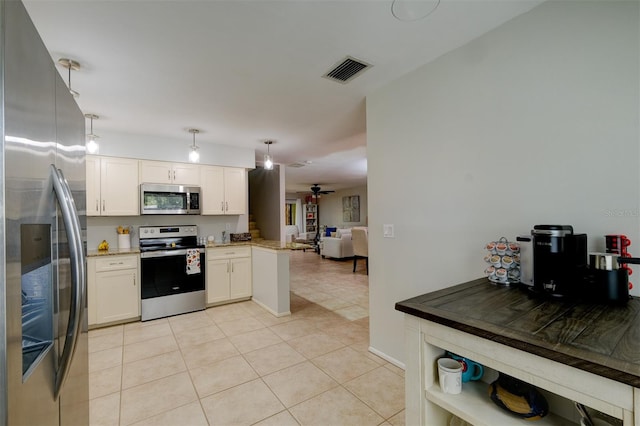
(239, 365)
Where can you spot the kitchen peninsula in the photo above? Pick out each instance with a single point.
(583, 352)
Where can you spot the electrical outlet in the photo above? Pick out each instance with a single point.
(387, 231)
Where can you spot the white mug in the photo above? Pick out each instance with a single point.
(450, 375)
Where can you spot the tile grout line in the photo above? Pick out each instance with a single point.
(311, 317)
(193, 386)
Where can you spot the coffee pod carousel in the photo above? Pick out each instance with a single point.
(503, 258)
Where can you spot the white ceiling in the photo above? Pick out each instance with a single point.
(246, 71)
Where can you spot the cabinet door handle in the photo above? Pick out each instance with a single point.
(222, 205)
(169, 174)
(227, 203)
(232, 268)
(103, 205)
(97, 205)
(227, 268)
(174, 175)
(134, 280)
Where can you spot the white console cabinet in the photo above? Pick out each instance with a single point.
(228, 274)
(113, 291)
(427, 341)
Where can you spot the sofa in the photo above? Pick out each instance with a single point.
(338, 246)
(293, 235)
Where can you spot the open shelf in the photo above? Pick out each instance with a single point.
(474, 405)
(310, 217)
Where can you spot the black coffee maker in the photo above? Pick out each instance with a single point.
(559, 260)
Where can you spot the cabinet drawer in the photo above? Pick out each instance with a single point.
(114, 263)
(228, 252)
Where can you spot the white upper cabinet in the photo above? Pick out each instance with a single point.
(212, 190)
(112, 186)
(235, 190)
(224, 190)
(186, 174)
(170, 173)
(94, 202)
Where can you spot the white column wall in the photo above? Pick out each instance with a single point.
(535, 122)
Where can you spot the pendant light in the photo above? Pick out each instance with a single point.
(70, 64)
(268, 159)
(194, 155)
(92, 146)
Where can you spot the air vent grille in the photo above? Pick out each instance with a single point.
(296, 165)
(347, 69)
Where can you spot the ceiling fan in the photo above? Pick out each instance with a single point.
(317, 190)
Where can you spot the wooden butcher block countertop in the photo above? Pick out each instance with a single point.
(598, 338)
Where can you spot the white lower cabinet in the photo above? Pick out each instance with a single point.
(561, 384)
(113, 288)
(228, 274)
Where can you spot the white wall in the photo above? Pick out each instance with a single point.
(330, 206)
(535, 122)
(166, 149)
(266, 201)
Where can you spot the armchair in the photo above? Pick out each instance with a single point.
(293, 235)
(360, 246)
(337, 247)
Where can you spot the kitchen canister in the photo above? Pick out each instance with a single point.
(124, 241)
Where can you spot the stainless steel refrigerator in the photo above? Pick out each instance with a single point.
(44, 377)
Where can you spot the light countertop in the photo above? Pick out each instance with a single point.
(268, 244)
(112, 252)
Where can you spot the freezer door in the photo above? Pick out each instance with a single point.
(74, 392)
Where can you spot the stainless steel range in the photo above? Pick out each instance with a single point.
(172, 271)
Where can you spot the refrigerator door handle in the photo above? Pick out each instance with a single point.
(78, 273)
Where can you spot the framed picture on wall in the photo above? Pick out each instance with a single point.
(351, 208)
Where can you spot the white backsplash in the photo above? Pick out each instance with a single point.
(104, 228)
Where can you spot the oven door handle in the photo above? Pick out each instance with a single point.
(163, 253)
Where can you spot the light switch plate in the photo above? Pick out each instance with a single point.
(387, 231)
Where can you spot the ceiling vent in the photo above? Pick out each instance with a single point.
(296, 165)
(347, 69)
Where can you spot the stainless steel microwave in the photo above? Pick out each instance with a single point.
(169, 199)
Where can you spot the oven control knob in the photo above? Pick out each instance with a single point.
(146, 230)
(153, 230)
